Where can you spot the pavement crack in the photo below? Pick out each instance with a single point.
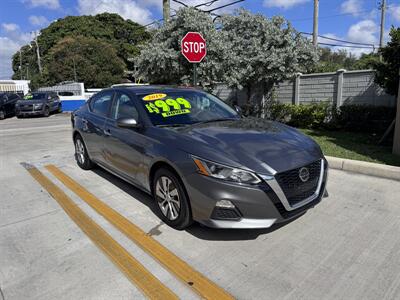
(30, 218)
(2, 294)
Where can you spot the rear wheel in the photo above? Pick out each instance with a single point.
(2, 115)
(81, 154)
(46, 112)
(170, 195)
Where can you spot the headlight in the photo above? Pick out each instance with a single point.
(219, 171)
(35, 106)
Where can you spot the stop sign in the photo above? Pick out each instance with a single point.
(193, 47)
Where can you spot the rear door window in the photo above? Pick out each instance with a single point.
(100, 104)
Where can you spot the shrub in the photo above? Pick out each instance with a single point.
(364, 118)
(306, 116)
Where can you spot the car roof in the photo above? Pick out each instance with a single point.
(143, 89)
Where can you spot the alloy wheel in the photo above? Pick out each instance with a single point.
(80, 151)
(168, 198)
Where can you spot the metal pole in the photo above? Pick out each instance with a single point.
(194, 74)
(20, 63)
(166, 11)
(27, 71)
(38, 53)
(383, 12)
(396, 138)
(315, 25)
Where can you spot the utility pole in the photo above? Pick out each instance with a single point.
(20, 63)
(396, 138)
(37, 53)
(315, 25)
(166, 8)
(383, 12)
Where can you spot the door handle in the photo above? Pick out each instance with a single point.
(107, 132)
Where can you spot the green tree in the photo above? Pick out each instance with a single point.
(387, 71)
(160, 60)
(91, 61)
(331, 61)
(124, 36)
(263, 52)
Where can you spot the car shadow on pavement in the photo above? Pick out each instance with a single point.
(130, 189)
(197, 230)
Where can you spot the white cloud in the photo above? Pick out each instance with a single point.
(285, 4)
(9, 27)
(128, 9)
(353, 7)
(7, 48)
(363, 32)
(395, 12)
(50, 4)
(38, 20)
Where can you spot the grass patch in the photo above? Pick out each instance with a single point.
(351, 145)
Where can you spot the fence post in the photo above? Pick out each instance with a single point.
(297, 89)
(339, 91)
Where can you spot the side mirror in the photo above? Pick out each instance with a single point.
(238, 109)
(127, 123)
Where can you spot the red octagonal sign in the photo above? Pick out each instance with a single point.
(193, 47)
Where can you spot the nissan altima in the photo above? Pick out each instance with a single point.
(199, 158)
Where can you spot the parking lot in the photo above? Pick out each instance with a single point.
(346, 247)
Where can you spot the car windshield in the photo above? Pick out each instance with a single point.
(35, 96)
(185, 108)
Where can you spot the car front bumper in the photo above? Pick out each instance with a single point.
(256, 206)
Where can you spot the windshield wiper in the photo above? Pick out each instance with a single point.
(171, 125)
(216, 120)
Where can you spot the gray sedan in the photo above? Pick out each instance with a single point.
(199, 158)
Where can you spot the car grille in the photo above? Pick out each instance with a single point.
(27, 107)
(294, 188)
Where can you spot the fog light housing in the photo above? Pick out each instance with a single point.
(226, 210)
(225, 204)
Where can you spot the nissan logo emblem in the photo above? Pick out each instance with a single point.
(304, 174)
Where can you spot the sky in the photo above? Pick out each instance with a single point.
(350, 20)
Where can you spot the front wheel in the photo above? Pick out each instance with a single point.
(46, 112)
(170, 195)
(2, 115)
(81, 154)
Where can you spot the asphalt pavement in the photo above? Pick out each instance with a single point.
(347, 247)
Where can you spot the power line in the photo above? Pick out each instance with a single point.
(347, 46)
(223, 6)
(339, 40)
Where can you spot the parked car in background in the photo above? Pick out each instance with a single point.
(7, 104)
(199, 158)
(38, 103)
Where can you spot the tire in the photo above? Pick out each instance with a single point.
(2, 115)
(171, 198)
(46, 112)
(81, 155)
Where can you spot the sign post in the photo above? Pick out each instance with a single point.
(194, 49)
(396, 138)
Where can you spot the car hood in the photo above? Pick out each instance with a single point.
(28, 102)
(256, 144)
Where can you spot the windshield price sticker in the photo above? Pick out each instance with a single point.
(27, 97)
(168, 107)
(152, 97)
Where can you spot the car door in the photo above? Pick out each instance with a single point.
(93, 123)
(12, 100)
(125, 148)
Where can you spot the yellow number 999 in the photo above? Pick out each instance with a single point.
(184, 102)
(161, 104)
(173, 103)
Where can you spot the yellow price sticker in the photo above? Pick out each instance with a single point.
(152, 97)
